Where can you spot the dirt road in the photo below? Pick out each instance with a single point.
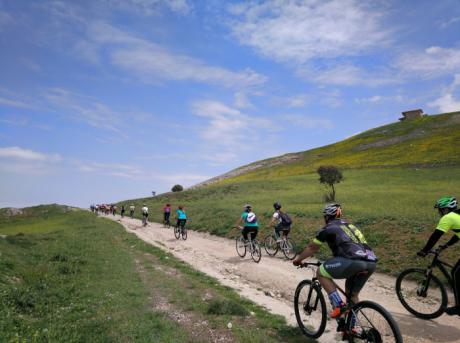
(272, 282)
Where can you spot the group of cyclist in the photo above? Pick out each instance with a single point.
(352, 257)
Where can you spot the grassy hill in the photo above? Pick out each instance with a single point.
(69, 276)
(393, 175)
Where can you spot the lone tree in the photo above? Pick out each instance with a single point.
(329, 176)
(177, 188)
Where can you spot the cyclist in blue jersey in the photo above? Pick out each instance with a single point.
(249, 221)
(181, 216)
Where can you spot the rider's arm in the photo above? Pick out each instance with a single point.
(453, 240)
(432, 240)
(310, 250)
(240, 219)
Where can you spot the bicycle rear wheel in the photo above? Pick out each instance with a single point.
(310, 308)
(367, 321)
(256, 252)
(240, 246)
(184, 233)
(424, 297)
(271, 247)
(289, 249)
(177, 232)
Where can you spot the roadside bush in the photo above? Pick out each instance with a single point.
(221, 307)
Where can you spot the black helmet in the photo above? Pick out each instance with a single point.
(277, 206)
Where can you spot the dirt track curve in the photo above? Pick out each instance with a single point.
(275, 276)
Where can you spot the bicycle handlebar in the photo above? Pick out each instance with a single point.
(309, 264)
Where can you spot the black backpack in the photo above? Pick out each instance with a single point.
(286, 221)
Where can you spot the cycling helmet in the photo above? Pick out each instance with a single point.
(277, 205)
(446, 202)
(247, 206)
(332, 210)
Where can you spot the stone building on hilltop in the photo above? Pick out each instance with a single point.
(412, 114)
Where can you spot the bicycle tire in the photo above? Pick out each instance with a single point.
(386, 330)
(438, 292)
(270, 245)
(240, 246)
(289, 249)
(177, 232)
(256, 252)
(184, 233)
(302, 307)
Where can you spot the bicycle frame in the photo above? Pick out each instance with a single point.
(441, 265)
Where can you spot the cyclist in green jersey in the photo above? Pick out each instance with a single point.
(450, 220)
(249, 220)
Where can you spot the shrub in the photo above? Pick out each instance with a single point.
(177, 188)
(329, 175)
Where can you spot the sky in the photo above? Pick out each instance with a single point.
(105, 100)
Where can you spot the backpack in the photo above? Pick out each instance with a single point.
(286, 221)
(251, 218)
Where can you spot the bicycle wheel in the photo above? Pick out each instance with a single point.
(367, 321)
(271, 247)
(256, 252)
(240, 246)
(184, 233)
(177, 232)
(310, 309)
(289, 249)
(424, 298)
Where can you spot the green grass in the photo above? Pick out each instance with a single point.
(73, 277)
(393, 207)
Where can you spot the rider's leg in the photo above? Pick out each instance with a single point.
(253, 234)
(277, 232)
(244, 232)
(456, 278)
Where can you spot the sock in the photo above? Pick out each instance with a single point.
(335, 299)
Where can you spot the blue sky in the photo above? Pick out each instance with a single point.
(105, 100)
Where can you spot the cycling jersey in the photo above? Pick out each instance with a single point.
(131, 208)
(166, 209)
(450, 221)
(145, 210)
(345, 240)
(181, 215)
(248, 224)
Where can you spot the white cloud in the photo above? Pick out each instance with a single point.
(18, 153)
(432, 62)
(308, 122)
(14, 103)
(378, 99)
(152, 7)
(448, 101)
(228, 132)
(153, 63)
(298, 31)
(446, 23)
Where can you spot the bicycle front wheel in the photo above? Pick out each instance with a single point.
(256, 252)
(310, 309)
(177, 232)
(184, 233)
(289, 249)
(423, 296)
(367, 321)
(240, 246)
(271, 247)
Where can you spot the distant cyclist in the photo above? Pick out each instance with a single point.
(131, 211)
(281, 221)
(351, 255)
(181, 216)
(122, 211)
(249, 221)
(145, 214)
(450, 220)
(166, 214)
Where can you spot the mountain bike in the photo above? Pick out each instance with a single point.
(364, 321)
(180, 230)
(421, 292)
(253, 245)
(273, 244)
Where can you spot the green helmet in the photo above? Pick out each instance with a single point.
(446, 202)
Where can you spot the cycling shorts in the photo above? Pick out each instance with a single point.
(346, 268)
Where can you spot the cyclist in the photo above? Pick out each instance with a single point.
(181, 216)
(351, 255)
(249, 219)
(131, 211)
(166, 214)
(122, 212)
(281, 221)
(145, 213)
(450, 220)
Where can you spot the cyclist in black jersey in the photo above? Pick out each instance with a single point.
(351, 255)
